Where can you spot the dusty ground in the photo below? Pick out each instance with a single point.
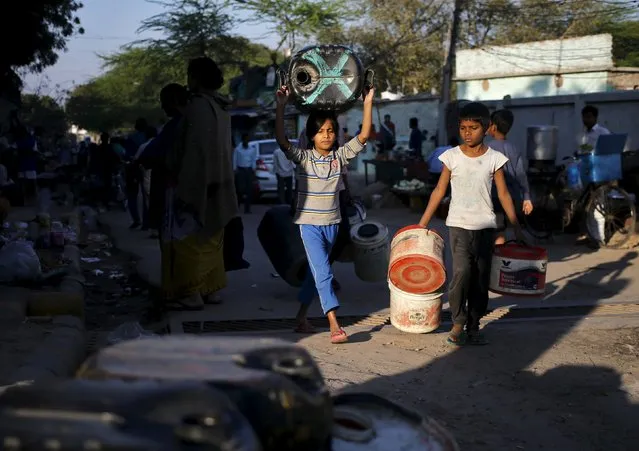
(536, 386)
(113, 293)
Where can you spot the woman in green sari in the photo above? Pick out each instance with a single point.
(201, 199)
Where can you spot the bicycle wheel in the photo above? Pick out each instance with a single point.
(610, 216)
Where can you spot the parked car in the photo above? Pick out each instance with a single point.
(264, 173)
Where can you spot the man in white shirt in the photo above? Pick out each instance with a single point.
(244, 165)
(284, 170)
(592, 130)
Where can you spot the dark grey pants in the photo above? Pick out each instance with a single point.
(244, 185)
(472, 255)
(285, 189)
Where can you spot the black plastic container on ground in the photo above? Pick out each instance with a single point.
(280, 238)
(276, 385)
(326, 78)
(368, 422)
(115, 415)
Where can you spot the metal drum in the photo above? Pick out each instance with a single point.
(276, 385)
(368, 422)
(117, 415)
(326, 78)
(542, 143)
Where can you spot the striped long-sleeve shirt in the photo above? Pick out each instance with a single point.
(318, 182)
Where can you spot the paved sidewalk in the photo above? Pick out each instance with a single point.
(577, 275)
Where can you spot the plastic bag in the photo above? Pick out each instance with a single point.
(18, 261)
(128, 331)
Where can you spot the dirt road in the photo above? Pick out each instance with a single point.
(551, 385)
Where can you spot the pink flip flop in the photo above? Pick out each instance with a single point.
(339, 337)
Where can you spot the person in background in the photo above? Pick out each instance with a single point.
(103, 164)
(317, 207)
(118, 146)
(284, 170)
(501, 121)
(435, 165)
(151, 133)
(416, 138)
(137, 138)
(173, 99)
(133, 172)
(26, 146)
(244, 165)
(389, 124)
(201, 200)
(592, 129)
(386, 137)
(471, 170)
(347, 136)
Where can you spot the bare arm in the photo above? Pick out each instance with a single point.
(367, 119)
(504, 197)
(436, 197)
(293, 153)
(522, 178)
(280, 134)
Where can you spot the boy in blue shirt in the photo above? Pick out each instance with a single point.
(501, 121)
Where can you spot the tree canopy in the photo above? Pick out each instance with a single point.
(402, 40)
(37, 32)
(43, 112)
(130, 86)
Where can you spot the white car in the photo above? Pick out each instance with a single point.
(264, 172)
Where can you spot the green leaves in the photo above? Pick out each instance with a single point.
(294, 19)
(38, 31)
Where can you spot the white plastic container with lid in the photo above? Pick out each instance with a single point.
(371, 251)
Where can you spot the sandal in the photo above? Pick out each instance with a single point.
(304, 328)
(339, 337)
(456, 338)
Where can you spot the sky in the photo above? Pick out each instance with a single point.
(110, 24)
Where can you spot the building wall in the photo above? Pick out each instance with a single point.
(618, 111)
(587, 53)
(533, 86)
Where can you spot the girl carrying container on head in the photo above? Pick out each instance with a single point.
(317, 207)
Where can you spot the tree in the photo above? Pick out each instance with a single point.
(402, 41)
(191, 28)
(502, 22)
(128, 89)
(38, 31)
(131, 84)
(625, 45)
(43, 112)
(296, 18)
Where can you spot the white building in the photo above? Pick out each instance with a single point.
(581, 65)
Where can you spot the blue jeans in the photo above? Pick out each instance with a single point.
(318, 242)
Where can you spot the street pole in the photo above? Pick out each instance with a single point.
(447, 72)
